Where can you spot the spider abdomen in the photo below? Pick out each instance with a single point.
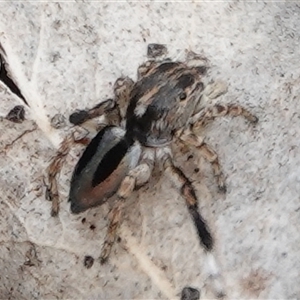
(102, 167)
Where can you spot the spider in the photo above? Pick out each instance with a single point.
(168, 103)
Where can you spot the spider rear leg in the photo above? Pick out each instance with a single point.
(55, 167)
(53, 171)
(136, 177)
(191, 139)
(205, 237)
(112, 113)
(114, 222)
(188, 193)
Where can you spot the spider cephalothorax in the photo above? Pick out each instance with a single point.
(168, 102)
(162, 101)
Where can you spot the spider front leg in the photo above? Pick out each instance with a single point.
(112, 109)
(191, 139)
(81, 116)
(136, 177)
(122, 90)
(220, 110)
(200, 119)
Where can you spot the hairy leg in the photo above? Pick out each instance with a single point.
(191, 139)
(122, 90)
(218, 110)
(189, 195)
(197, 61)
(136, 177)
(205, 237)
(55, 167)
(110, 109)
(113, 109)
(210, 155)
(81, 116)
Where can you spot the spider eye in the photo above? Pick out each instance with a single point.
(182, 96)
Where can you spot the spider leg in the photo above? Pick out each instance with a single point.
(191, 139)
(210, 155)
(136, 177)
(55, 167)
(209, 114)
(112, 109)
(53, 170)
(198, 61)
(205, 237)
(81, 116)
(122, 90)
(114, 222)
(188, 193)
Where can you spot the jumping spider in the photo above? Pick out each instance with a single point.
(167, 103)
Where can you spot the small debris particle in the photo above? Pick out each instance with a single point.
(17, 114)
(88, 261)
(190, 157)
(189, 293)
(31, 257)
(164, 268)
(58, 121)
